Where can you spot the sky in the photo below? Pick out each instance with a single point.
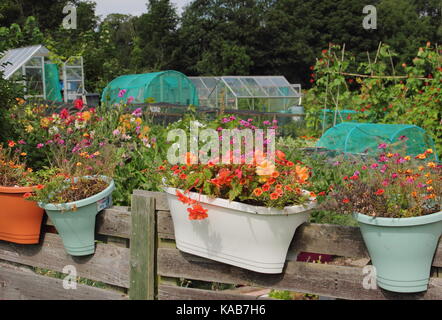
(133, 7)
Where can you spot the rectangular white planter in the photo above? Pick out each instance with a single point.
(246, 236)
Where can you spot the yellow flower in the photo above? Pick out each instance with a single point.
(86, 115)
(429, 151)
(408, 158)
(23, 154)
(79, 164)
(421, 156)
(431, 165)
(265, 168)
(421, 168)
(29, 129)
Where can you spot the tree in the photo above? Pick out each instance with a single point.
(156, 36)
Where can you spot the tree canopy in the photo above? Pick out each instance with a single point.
(218, 37)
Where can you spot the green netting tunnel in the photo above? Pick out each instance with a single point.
(166, 86)
(364, 138)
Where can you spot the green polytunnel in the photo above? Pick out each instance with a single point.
(163, 87)
(365, 138)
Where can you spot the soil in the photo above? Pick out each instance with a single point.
(82, 189)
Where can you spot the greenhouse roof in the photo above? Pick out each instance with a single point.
(248, 86)
(14, 59)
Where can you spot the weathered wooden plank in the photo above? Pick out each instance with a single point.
(329, 239)
(111, 222)
(168, 292)
(23, 284)
(142, 251)
(160, 198)
(109, 264)
(321, 279)
(165, 225)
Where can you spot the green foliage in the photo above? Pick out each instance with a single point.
(383, 93)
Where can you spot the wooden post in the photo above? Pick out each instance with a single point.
(142, 249)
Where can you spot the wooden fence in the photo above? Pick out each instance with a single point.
(136, 258)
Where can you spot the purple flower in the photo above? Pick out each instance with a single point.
(356, 173)
(116, 132)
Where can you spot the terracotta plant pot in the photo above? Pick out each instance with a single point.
(20, 219)
(242, 235)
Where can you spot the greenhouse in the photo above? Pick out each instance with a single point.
(41, 78)
(365, 138)
(259, 93)
(171, 87)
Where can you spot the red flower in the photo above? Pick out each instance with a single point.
(27, 195)
(197, 212)
(322, 193)
(266, 187)
(274, 196)
(64, 114)
(346, 200)
(78, 104)
(183, 198)
(380, 192)
(183, 176)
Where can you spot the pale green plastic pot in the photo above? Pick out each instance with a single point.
(75, 221)
(402, 249)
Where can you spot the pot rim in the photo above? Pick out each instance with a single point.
(17, 189)
(83, 202)
(398, 222)
(234, 205)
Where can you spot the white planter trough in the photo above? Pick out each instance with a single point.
(246, 236)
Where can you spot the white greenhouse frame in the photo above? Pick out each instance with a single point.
(267, 91)
(17, 63)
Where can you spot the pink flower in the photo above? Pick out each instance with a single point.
(21, 141)
(374, 166)
(364, 168)
(385, 182)
(138, 112)
(403, 138)
(131, 99)
(384, 168)
(382, 146)
(383, 158)
(394, 175)
(40, 145)
(122, 93)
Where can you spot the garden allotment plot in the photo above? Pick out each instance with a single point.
(259, 93)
